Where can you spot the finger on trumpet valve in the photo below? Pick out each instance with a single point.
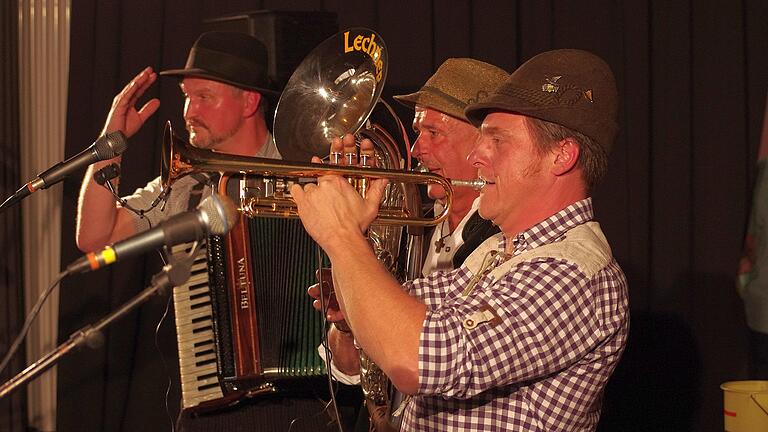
(350, 151)
(335, 157)
(366, 159)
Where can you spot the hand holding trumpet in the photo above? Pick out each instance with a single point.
(332, 210)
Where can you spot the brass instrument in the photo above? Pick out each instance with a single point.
(334, 92)
(279, 175)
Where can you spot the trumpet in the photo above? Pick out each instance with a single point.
(180, 159)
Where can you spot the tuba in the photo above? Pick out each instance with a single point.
(334, 91)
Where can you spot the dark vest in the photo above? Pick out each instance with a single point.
(476, 231)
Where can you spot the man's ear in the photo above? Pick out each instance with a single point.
(566, 154)
(252, 102)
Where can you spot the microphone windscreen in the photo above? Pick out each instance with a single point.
(222, 213)
(110, 145)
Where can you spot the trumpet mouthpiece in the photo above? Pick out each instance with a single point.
(476, 184)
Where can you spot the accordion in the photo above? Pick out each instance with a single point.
(244, 323)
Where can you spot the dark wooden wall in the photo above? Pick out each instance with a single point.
(693, 81)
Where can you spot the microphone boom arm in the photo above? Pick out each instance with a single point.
(173, 274)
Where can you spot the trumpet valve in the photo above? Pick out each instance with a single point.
(273, 207)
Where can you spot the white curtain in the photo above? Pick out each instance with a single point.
(43, 74)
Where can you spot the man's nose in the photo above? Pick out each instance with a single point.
(190, 110)
(478, 155)
(418, 148)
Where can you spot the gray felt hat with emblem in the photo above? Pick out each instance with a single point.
(569, 87)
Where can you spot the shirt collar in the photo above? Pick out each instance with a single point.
(552, 228)
(269, 149)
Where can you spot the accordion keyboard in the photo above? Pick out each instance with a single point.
(244, 325)
(194, 334)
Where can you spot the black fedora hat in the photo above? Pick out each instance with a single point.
(233, 58)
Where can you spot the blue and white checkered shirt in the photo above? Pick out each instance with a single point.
(527, 344)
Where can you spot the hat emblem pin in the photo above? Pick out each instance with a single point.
(551, 85)
(565, 93)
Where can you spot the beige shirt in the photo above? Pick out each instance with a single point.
(181, 190)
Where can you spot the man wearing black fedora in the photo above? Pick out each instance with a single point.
(225, 85)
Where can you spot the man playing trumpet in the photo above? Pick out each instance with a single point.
(525, 334)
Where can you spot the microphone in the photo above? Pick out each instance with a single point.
(215, 215)
(105, 147)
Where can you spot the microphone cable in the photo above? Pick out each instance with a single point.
(104, 177)
(331, 404)
(328, 354)
(29, 320)
(193, 250)
(169, 382)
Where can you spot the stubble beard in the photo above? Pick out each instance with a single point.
(211, 141)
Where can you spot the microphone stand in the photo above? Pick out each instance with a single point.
(173, 274)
